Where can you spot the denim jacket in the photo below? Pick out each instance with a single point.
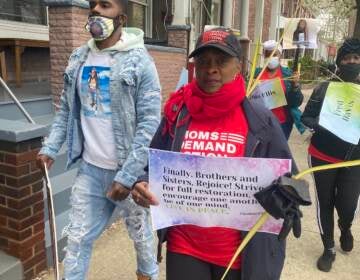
(135, 105)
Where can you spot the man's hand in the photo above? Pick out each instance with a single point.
(142, 196)
(42, 160)
(118, 192)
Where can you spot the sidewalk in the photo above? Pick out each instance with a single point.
(114, 258)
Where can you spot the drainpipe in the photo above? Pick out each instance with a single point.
(275, 14)
(259, 19)
(227, 13)
(244, 34)
(244, 18)
(188, 31)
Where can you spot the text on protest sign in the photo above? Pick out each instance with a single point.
(270, 94)
(340, 112)
(211, 191)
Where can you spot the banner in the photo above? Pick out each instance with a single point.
(211, 191)
(270, 94)
(340, 112)
(301, 32)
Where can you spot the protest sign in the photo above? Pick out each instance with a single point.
(211, 191)
(301, 32)
(269, 93)
(340, 112)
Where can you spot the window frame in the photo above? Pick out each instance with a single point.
(148, 15)
(25, 30)
(46, 17)
(199, 18)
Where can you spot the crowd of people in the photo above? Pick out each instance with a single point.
(110, 114)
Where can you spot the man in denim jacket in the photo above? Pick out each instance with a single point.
(109, 111)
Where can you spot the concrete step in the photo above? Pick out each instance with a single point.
(10, 267)
(36, 107)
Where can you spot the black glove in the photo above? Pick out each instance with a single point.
(282, 200)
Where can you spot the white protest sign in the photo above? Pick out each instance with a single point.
(340, 112)
(301, 32)
(270, 94)
(211, 191)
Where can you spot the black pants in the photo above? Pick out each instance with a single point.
(287, 128)
(183, 267)
(340, 189)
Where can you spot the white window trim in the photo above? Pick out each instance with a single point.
(46, 17)
(22, 30)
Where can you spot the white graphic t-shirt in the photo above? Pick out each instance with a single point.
(94, 92)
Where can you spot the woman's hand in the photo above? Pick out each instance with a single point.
(296, 79)
(142, 195)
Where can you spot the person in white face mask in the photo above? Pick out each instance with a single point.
(286, 115)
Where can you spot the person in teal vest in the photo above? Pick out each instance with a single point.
(290, 114)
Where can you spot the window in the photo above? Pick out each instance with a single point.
(206, 12)
(27, 11)
(139, 15)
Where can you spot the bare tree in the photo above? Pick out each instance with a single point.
(337, 11)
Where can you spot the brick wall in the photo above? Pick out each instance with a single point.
(177, 38)
(169, 67)
(267, 20)
(252, 13)
(237, 13)
(22, 205)
(66, 34)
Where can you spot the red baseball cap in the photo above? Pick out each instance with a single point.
(220, 38)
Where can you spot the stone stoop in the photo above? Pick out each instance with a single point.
(10, 267)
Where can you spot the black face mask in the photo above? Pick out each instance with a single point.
(349, 72)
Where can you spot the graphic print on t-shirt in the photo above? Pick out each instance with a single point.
(216, 144)
(222, 137)
(95, 92)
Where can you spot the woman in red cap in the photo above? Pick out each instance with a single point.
(216, 102)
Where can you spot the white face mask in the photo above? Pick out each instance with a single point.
(100, 27)
(274, 62)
